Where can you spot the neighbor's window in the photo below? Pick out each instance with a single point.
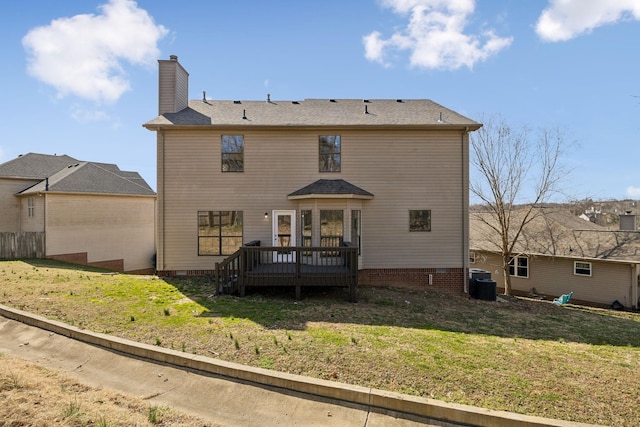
(356, 224)
(420, 220)
(232, 153)
(519, 266)
(219, 232)
(582, 268)
(31, 207)
(472, 257)
(330, 153)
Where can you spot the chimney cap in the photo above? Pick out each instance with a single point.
(173, 57)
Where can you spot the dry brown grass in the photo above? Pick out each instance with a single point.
(525, 356)
(37, 397)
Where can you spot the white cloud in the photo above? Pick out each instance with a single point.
(435, 35)
(633, 191)
(83, 55)
(84, 115)
(565, 19)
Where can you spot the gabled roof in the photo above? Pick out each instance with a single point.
(422, 113)
(557, 232)
(35, 166)
(93, 178)
(330, 188)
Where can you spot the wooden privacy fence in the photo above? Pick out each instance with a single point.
(22, 245)
(262, 266)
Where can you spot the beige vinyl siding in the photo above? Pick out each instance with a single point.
(105, 227)
(404, 170)
(173, 87)
(10, 205)
(609, 281)
(33, 223)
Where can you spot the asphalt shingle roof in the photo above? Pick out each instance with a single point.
(316, 112)
(35, 166)
(331, 187)
(68, 175)
(557, 232)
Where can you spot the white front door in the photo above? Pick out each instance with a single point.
(284, 235)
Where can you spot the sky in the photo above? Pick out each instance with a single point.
(80, 77)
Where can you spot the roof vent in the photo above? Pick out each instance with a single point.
(269, 97)
(295, 102)
(366, 100)
(237, 102)
(244, 114)
(441, 120)
(366, 109)
(332, 100)
(399, 100)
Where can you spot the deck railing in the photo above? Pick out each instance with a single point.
(262, 266)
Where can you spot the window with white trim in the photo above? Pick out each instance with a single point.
(582, 268)
(31, 207)
(519, 266)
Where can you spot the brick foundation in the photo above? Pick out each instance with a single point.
(449, 280)
(185, 273)
(75, 258)
(82, 259)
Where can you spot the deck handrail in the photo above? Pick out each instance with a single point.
(227, 271)
(263, 266)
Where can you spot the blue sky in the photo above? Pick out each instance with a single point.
(80, 77)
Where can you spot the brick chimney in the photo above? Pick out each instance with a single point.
(173, 86)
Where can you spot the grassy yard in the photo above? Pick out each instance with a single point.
(525, 356)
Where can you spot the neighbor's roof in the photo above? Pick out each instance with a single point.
(316, 112)
(330, 188)
(66, 174)
(557, 232)
(92, 178)
(34, 166)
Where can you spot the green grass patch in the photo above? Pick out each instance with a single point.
(527, 356)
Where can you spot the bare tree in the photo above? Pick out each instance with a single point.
(515, 170)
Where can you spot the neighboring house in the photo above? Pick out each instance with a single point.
(559, 253)
(89, 213)
(390, 176)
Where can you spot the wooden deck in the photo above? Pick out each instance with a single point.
(260, 266)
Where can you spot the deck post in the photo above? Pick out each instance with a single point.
(353, 283)
(298, 277)
(241, 271)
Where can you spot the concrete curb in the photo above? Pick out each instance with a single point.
(412, 405)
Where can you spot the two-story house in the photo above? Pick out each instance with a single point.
(390, 176)
(82, 212)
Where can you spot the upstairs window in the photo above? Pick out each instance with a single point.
(420, 220)
(582, 268)
(219, 232)
(519, 266)
(232, 153)
(330, 153)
